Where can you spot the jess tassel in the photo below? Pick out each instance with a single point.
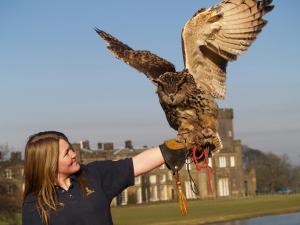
(181, 198)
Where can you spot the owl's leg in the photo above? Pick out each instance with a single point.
(209, 132)
(185, 133)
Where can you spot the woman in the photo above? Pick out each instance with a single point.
(59, 190)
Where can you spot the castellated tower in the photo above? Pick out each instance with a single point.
(226, 128)
(229, 177)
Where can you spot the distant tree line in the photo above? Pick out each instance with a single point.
(273, 172)
(10, 204)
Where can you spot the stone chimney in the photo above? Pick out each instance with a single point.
(108, 146)
(128, 144)
(99, 146)
(85, 144)
(15, 156)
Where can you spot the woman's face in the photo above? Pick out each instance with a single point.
(67, 163)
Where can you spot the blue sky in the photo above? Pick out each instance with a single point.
(56, 74)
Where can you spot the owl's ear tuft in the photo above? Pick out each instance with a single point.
(185, 78)
(158, 82)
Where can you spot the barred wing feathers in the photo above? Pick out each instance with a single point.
(214, 36)
(144, 61)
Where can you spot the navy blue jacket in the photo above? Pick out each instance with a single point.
(104, 179)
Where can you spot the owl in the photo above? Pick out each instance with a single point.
(210, 39)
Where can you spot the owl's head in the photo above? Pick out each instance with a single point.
(173, 87)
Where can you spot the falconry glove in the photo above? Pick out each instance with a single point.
(174, 154)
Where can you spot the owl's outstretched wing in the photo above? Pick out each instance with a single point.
(214, 36)
(144, 61)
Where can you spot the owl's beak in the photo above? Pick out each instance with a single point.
(172, 98)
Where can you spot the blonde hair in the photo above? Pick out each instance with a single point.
(40, 171)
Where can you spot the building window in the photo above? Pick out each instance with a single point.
(222, 161)
(8, 173)
(171, 193)
(210, 162)
(232, 161)
(163, 192)
(233, 183)
(10, 188)
(223, 187)
(124, 197)
(188, 190)
(229, 133)
(162, 179)
(188, 164)
(170, 175)
(139, 198)
(152, 179)
(137, 180)
(153, 194)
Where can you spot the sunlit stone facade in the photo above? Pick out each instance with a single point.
(158, 185)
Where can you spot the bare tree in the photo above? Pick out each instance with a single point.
(273, 172)
(4, 149)
(10, 204)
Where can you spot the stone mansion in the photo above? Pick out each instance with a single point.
(228, 180)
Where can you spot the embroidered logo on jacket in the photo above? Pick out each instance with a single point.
(88, 191)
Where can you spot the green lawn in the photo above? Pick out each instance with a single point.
(204, 211)
(12, 221)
